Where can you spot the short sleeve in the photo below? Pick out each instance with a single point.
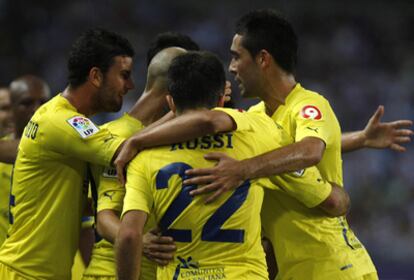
(241, 118)
(79, 137)
(110, 192)
(305, 185)
(125, 126)
(258, 108)
(313, 118)
(138, 188)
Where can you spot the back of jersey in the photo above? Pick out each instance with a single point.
(214, 241)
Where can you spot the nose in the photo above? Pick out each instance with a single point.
(232, 67)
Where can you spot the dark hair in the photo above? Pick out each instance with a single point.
(170, 39)
(95, 48)
(267, 29)
(196, 80)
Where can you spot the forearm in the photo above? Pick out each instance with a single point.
(8, 150)
(293, 157)
(128, 256)
(183, 128)
(337, 203)
(351, 141)
(108, 224)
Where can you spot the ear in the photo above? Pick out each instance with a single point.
(263, 58)
(95, 77)
(171, 103)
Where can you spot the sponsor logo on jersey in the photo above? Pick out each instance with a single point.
(311, 112)
(189, 269)
(84, 126)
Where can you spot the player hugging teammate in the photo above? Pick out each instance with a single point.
(274, 171)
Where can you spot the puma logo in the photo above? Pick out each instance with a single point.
(109, 194)
(313, 129)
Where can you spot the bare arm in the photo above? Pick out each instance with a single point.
(159, 249)
(182, 128)
(296, 156)
(108, 224)
(229, 173)
(128, 249)
(379, 135)
(337, 204)
(8, 150)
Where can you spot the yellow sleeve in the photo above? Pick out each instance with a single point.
(241, 118)
(138, 194)
(313, 118)
(77, 136)
(124, 126)
(305, 185)
(259, 107)
(110, 192)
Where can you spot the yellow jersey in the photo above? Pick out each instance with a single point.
(307, 244)
(5, 183)
(110, 195)
(46, 194)
(216, 241)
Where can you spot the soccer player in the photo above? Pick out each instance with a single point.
(148, 109)
(24, 96)
(46, 194)
(222, 240)
(264, 51)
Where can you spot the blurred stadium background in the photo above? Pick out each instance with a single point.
(359, 54)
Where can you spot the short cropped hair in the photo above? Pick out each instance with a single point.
(196, 80)
(170, 39)
(267, 29)
(95, 48)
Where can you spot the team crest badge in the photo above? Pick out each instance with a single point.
(84, 126)
(311, 112)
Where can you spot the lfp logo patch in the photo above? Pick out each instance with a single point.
(84, 126)
(311, 112)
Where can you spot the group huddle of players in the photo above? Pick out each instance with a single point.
(182, 188)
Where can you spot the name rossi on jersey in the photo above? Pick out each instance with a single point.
(206, 142)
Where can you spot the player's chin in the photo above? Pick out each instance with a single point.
(115, 106)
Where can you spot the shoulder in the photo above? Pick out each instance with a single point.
(124, 126)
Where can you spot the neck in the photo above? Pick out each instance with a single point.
(81, 99)
(150, 107)
(189, 111)
(278, 87)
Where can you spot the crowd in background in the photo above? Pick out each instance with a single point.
(359, 55)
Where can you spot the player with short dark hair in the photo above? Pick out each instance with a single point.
(58, 141)
(222, 240)
(110, 194)
(282, 45)
(315, 129)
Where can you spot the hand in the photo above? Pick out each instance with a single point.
(388, 134)
(128, 151)
(226, 175)
(159, 249)
(227, 92)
